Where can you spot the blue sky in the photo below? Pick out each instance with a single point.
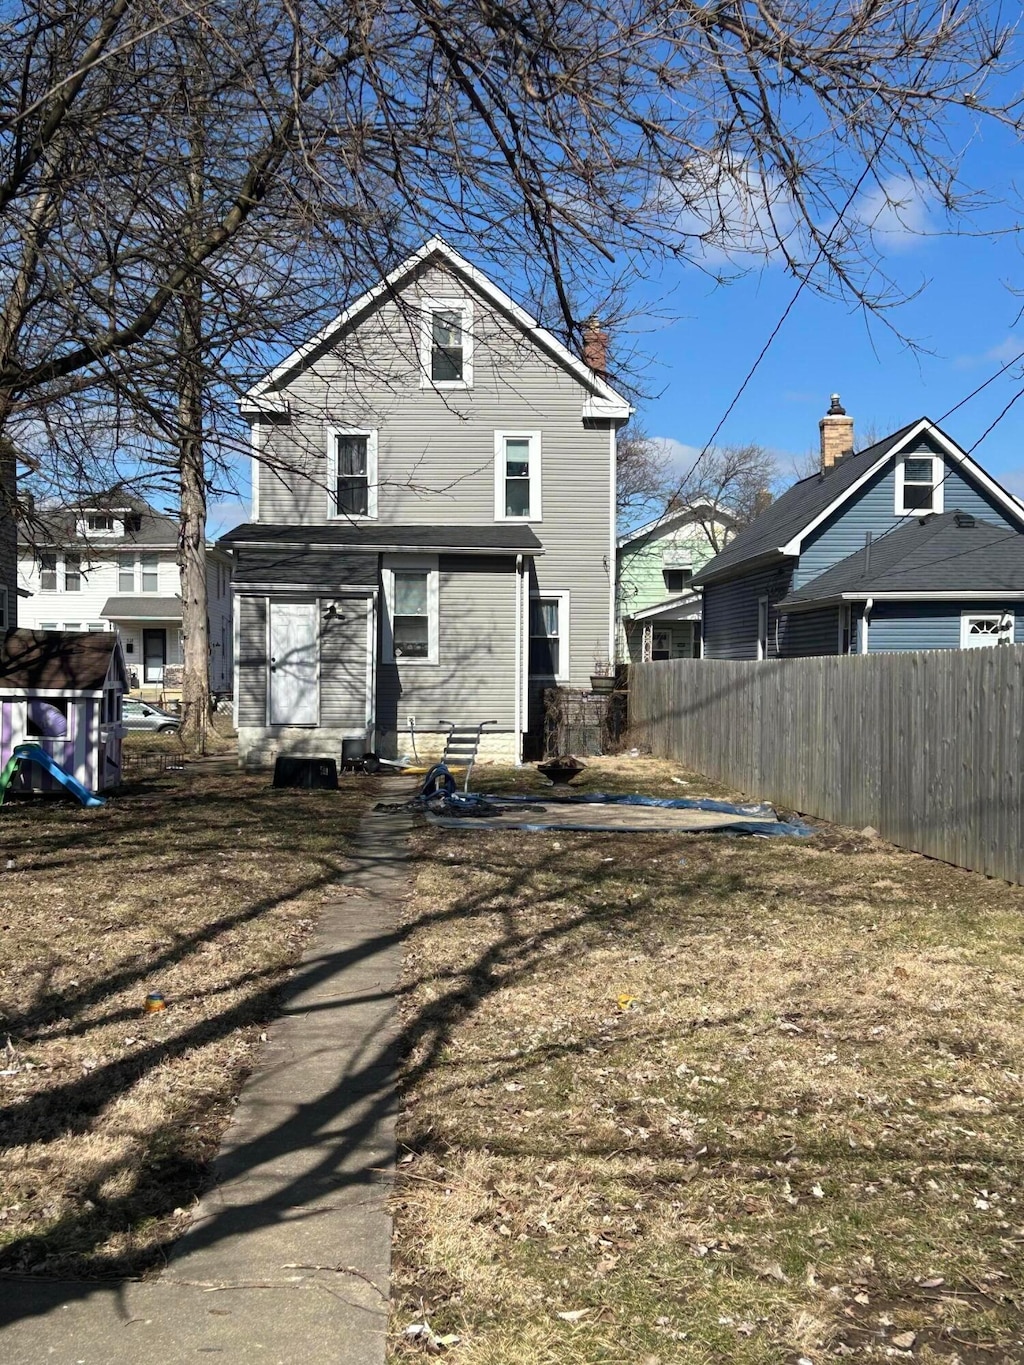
(961, 312)
(699, 338)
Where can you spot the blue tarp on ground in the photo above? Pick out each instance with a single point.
(444, 805)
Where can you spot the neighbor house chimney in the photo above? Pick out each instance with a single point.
(836, 435)
(595, 346)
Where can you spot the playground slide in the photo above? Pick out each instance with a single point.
(32, 753)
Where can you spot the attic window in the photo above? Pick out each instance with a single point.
(133, 521)
(676, 579)
(447, 344)
(100, 521)
(918, 485)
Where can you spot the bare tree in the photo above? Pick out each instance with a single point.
(556, 139)
(643, 480)
(727, 488)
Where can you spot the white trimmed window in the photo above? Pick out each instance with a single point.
(126, 573)
(411, 619)
(352, 472)
(918, 485)
(980, 629)
(549, 635)
(517, 476)
(150, 573)
(446, 343)
(72, 573)
(101, 523)
(47, 572)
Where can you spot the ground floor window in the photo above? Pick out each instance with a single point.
(981, 629)
(549, 636)
(411, 591)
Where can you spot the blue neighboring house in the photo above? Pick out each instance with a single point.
(908, 544)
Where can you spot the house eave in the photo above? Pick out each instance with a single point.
(707, 576)
(387, 548)
(963, 595)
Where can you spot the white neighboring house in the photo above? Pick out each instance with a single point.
(112, 564)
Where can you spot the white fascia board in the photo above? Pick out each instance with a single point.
(948, 447)
(681, 609)
(668, 520)
(604, 402)
(970, 595)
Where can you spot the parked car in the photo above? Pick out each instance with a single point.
(142, 715)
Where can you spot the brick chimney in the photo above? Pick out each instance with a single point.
(595, 346)
(836, 435)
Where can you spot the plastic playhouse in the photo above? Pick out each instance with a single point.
(60, 712)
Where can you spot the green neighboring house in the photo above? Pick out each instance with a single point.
(657, 614)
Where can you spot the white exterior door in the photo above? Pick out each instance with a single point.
(293, 664)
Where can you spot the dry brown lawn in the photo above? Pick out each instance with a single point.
(697, 1098)
(199, 885)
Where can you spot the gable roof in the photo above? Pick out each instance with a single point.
(668, 521)
(952, 553)
(603, 401)
(780, 530)
(59, 526)
(57, 660)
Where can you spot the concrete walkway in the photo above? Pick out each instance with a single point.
(287, 1258)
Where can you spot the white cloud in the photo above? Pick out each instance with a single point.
(896, 212)
(736, 213)
(1001, 354)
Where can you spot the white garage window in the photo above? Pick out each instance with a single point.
(978, 630)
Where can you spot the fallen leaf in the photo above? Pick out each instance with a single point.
(904, 1341)
(574, 1314)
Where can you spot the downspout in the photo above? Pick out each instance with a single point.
(864, 622)
(518, 709)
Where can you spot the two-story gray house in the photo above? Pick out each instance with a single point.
(907, 544)
(433, 522)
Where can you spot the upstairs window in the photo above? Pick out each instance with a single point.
(150, 573)
(132, 523)
(102, 522)
(73, 574)
(352, 475)
(517, 476)
(447, 360)
(126, 575)
(48, 572)
(918, 485)
(676, 579)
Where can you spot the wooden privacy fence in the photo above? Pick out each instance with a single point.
(926, 747)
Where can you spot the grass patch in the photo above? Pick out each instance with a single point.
(716, 1099)
(202, 886)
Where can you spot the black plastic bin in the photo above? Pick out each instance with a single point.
(312, 773)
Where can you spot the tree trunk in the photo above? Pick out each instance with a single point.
(195, 621)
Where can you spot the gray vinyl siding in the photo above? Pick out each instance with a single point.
(873, 508)
(343, 665)
(809, 632)
(897, 626)
(730, 613)
(474, 678)
(436, 459)
(251, 664)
